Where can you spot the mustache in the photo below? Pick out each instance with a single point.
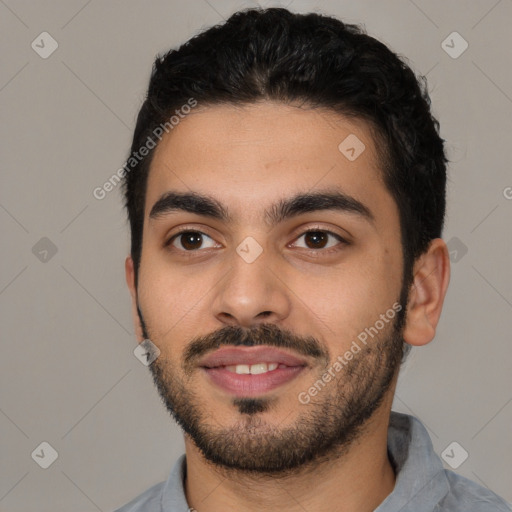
(263, 334)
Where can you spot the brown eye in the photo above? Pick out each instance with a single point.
(189, 240)
(318, 239)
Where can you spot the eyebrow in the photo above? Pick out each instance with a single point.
(284, 209)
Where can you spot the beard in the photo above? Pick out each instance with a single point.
(323, 429)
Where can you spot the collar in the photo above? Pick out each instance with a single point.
(420, 477)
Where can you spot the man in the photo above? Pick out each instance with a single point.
(286, 197)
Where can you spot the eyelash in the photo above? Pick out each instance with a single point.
(330, 250)
(336, 248)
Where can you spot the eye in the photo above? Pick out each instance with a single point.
(190, 241)
(318, 239)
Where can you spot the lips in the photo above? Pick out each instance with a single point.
(233, 356)
(251, 371)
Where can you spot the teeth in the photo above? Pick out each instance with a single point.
(259, 368)
(242, 369)
(254, 369)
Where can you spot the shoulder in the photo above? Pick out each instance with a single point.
(464, 495)
(167, 495)
(148, 501)
(422, 480)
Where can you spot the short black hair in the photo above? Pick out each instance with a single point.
(317, 61)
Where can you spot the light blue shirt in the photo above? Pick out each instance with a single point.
(422, 484)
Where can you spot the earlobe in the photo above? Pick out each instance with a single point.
(427, 293)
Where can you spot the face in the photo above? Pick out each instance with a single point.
(271, 281)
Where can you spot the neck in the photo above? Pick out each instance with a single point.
(358, 479)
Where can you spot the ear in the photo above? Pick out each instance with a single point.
(130, 281)
(426, 296)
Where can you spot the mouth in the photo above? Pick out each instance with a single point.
(251, 371)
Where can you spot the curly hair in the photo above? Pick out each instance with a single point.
(321, 62)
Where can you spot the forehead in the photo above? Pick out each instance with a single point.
(248, 157)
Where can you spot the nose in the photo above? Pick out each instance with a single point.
(252, 293)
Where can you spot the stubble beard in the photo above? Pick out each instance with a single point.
(323, 429)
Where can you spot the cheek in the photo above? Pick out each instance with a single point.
(345, 299)
(168, 298)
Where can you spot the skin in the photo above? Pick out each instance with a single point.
(248, 158)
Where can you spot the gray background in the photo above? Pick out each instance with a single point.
(68, 373)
